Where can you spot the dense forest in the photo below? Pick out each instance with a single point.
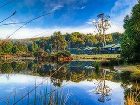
(56, 42)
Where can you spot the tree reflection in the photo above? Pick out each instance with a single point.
(66, 71)
(59, 73)
(102, 89)
(6, 68)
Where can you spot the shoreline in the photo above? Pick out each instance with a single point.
(81, 57)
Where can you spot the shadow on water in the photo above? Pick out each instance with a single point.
(42, 83)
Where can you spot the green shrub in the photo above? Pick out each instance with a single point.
(135, 76)
(63, 53)
(96, 65)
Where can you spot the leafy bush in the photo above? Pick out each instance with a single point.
(63, 53)
(135, 76)
(97, 66)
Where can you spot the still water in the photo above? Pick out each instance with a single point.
(74, 83)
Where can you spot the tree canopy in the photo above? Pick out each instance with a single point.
(131, 38)
(57, 42)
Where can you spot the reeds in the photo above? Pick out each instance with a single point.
(41, 97)
(130, 99)
(133, 97)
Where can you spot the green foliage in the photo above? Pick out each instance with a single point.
(32, 47)
(1, 50)
(58, 42)
(40, 53)
(14, 49)
(77, 40)
(63, 53)
(124, 75)
(18, 66)
(136, 76)
(131, 38)
(97, 67)
(6, 68)
(116, 37)
(7, 47)
(77, 37)
(21, 47)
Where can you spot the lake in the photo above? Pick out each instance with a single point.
(73, 83)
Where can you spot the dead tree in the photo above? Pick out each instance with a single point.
(102, 24)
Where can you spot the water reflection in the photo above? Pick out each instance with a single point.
(94, 85)
(78, 92)
(103, 89)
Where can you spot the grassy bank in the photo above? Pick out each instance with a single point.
(133, 69)
(97, 57)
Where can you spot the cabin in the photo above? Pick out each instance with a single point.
(108, 49)
(111, 48)
(83, 50)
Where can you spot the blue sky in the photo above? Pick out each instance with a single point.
(67, 16)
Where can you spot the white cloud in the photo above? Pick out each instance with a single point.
(70, 3)
(122, 6)
(120, 9)
(26, 79)
(38, 32)
(80, 8)
(57, 7)
(90, 21)
(114, 27)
